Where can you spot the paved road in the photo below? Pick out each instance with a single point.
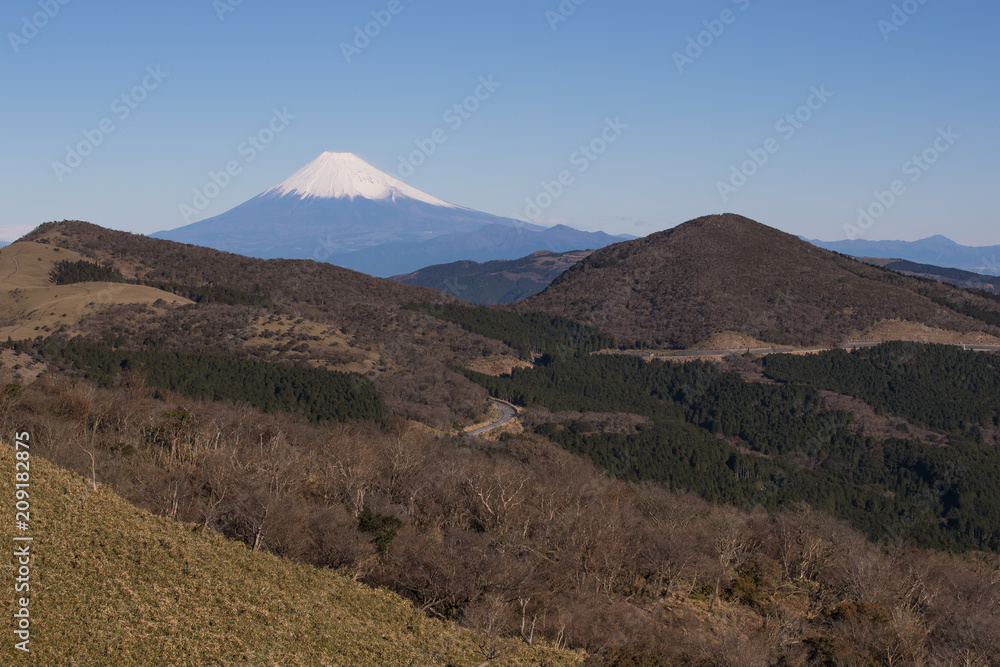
(708, 353)
(777, 350)
(971, 348)
(506, 414)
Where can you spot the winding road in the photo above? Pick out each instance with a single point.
(507, 412)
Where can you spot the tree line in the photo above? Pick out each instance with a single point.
(550, 336)
(68, 272)
(319, 395)
(940, 386)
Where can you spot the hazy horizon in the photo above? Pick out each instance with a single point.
(482, 106)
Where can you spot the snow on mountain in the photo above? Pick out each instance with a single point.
(345, 175)
(340, 209)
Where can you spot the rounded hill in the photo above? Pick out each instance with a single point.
(728, 273)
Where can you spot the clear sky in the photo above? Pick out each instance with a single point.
(200, 76)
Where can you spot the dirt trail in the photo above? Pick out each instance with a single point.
(17, 267)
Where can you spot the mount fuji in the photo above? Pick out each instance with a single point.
(342, 210)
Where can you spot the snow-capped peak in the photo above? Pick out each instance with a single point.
(345, 175)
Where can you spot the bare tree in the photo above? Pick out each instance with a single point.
(487, 618)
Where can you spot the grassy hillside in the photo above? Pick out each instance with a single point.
(112, 584)
(31, 305)
(728, 273)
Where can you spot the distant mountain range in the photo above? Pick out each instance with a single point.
(726, 273)
(342, 210)
(935, 250)
(965, 279)
(501, 281)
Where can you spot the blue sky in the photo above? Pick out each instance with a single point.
(223, 67)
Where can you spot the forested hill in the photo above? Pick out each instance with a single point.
(729, 273)
(500, 281)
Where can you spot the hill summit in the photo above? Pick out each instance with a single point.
(728, 273)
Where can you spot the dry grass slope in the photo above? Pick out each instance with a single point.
(112, 584)
(30, 305)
